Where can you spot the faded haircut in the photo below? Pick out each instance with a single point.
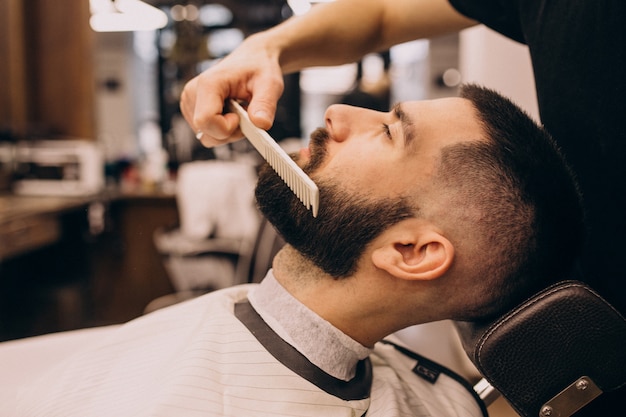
(518, 194)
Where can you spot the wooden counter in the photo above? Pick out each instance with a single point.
(57, 273)
(29, 223)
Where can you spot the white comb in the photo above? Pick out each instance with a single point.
(298, 181)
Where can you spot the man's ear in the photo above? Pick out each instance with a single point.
(420, 253)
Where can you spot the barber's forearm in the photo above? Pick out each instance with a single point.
(406, 20)
(345, 30)
(330, 34)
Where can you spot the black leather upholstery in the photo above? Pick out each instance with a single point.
(545, 344)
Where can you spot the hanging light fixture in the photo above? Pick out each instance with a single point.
(125, 16)
(300, 7)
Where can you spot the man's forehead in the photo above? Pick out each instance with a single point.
(450, 119)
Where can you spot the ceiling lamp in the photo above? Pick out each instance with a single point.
(125, 16)
(300, 7)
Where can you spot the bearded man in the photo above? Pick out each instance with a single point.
(454, 208)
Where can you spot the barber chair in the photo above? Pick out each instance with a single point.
(217, 214)
(213, 244)
(250, 260)
(560, 353)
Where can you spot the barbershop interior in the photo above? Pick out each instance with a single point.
(111, 208)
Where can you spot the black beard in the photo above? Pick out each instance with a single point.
(317, 147)
(346, 222)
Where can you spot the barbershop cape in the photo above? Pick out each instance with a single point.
(216, 356)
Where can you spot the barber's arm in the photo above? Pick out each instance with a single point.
(329, 34)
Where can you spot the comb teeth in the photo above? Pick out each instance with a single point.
(296, 179)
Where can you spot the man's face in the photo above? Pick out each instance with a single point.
(388, 154)
(371, 168)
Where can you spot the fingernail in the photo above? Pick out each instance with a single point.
(262, 114)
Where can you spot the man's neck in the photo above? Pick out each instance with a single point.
(338, 301)
(319, 341)
(295, 272)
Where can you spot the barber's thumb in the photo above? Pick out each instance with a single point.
(262, 115)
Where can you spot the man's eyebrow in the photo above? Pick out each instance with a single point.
(407, 124)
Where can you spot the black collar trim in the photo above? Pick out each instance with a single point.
(356, 389)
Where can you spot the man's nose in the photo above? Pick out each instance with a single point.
(343, 121)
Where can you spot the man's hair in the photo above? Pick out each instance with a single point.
(519, 197)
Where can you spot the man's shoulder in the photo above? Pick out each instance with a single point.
(420, 381)
(160, 352)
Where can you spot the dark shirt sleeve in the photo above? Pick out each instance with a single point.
(499, 15)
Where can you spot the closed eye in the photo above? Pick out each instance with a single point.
(386, 131)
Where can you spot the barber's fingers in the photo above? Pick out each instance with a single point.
(260, 89)
(209, 140)
(202, 106)
(266, 89)
(188, 102)
(203, 99)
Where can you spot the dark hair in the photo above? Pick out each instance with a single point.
(526, 200)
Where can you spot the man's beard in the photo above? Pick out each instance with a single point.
(346, 221)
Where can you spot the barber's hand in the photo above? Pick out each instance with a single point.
(251, 74)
